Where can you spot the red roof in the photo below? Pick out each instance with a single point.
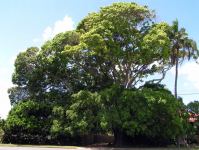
(193, 117)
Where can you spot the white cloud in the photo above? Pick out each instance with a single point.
(5, 81)
(5, 103)
(59, 26)
(191, 71)
(188, 81)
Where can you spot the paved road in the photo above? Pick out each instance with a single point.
(39, 148)
(33, 148)
(42, 148)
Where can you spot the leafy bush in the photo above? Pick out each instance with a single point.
(1, 135)
(150, 113)
(28, 122)
(1, 130)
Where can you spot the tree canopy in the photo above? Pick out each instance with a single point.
(121, 42)
(193, 106)
(107, 48)
(98, 79)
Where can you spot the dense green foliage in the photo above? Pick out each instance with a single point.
(28, 122)
(2, 122)
(143, 112)
(125, 42)
(193, 106)
(97, 79)
(92, 58)
(84, 113)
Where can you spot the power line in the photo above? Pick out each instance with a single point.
(189, 94)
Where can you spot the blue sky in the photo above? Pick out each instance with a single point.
(26, 23)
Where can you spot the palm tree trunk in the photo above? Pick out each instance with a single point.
(176, 80)
(175, 92)
(176, 76)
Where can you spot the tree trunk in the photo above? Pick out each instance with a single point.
(176, 76)
(118, 138)
(176, 89)
(176, 80)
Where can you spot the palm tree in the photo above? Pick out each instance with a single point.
(181, 48)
